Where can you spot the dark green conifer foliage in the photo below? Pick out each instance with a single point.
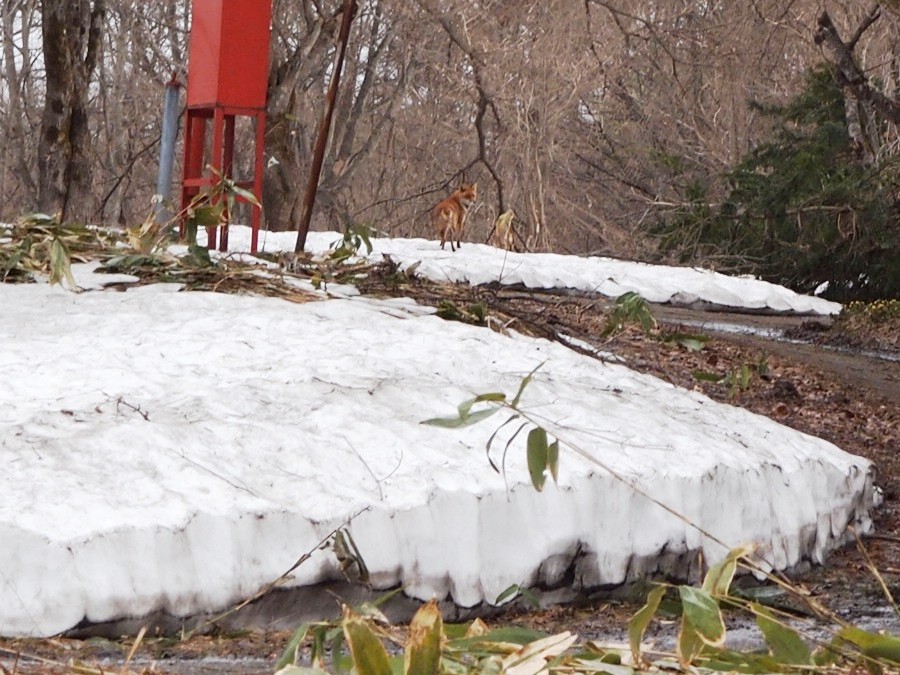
(804, 207)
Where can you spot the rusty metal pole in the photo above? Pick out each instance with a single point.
(312, 186)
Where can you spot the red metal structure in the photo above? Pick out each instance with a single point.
(228, 72)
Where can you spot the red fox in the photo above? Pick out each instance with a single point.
(449, 216)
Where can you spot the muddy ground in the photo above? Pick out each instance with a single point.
(832, 385)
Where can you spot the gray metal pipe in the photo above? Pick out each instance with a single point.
(163, 197)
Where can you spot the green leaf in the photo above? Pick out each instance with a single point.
(524, 383)
(11, 263)
(785, 644)
(702, 612)
(745, 376)
(206, 215)
(506, 635)
(364, 235)
(447, 310)
(828, 654)
(459, 422)
(873, 645)
(690, 644)
(384, 597)
(317, 646)
(630, 307)
(509, 592)
(479, 311)
(289, 655)
(242, 193)
(692, 344)
(691, 341)
(464, 415)
(719, 577)
(60, 264)
(537, 456)
(422, 655)
(729, 660)
(553, 460)
(341, 661)
(466, 406)
(637, 626)
(369, 655)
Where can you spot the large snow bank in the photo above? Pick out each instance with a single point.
(177, 451)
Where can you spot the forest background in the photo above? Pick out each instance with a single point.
(752, 136)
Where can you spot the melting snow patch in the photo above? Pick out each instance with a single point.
(179, 451)
(480, 264)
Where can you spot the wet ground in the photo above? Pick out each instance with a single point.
(804, 340)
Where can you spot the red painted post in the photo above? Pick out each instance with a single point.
(228, 72)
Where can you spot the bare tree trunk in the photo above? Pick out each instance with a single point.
(17, 132)
(72, 32)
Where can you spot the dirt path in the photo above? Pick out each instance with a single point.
(857, 368)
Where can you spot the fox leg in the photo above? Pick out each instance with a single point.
(447, 235)
(443, 229)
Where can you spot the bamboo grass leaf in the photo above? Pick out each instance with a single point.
(537, 457)
(369, 655)
(423, 650)
(702, 612)
(639, 622)
(784, 643)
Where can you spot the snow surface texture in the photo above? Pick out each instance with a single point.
(178, 451)
(480, 264)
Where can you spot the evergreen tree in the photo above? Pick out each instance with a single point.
(806, 207)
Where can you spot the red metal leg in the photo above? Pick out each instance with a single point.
(216, 164)
(227, 172)
(194, 145)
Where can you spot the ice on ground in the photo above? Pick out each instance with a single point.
(179, 451)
